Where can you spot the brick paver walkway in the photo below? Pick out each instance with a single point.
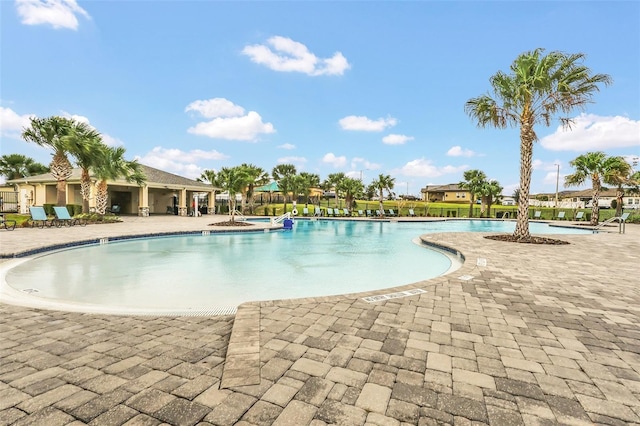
(538, 335)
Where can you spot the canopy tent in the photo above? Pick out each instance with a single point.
(271, 187)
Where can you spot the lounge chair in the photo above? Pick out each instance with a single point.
(360, 213)
(560, 216)
(39, 217)
(537, 214)
(579, 215)
(336, 212)
(378, 213)
(305, 211)
(64, 218)
(317, 212)
(329, 211)
(346, 212)
(412, 213)
(624, 217)
(391, 212)
(7, 224)
(369, 213)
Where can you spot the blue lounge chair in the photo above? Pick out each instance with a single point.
(360, 213)
(624, 217)
(39, 217)
(537, 214)
(329, 211)
(412, 213)
(346, 212)
(336, 212)
(579, 215)
(391, 212)
(369, 213)
(7, 224)
(560, 216)
(64, 218)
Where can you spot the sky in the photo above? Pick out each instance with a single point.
(359, 87)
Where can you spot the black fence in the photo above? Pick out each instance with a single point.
(9, 202)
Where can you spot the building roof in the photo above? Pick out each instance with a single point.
(155, 177)
(442, 188)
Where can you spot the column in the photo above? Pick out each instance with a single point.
(143, 201)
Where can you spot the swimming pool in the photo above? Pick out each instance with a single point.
(219, 271)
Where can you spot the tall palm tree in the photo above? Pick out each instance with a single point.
(86, 145)
(383, 183)
(594, 166)
(208, 176)
(257, 177)
(112, 167)
(538, 87)
(284, 174)
(333, 182)
(351, 188)
(16, 166)
(310, 180)
(50, 132)
(233, 180)
(618, 173)
(490, 191)
(473, 182)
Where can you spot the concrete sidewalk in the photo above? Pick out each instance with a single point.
(540, 335)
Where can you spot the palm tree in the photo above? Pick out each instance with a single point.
(283, 174)
(112, 167)
(383, 183)
(351, 188)
(618, 173)
(333, 182)
(595, 166)
(310, 180)
(233, 180)
(85, 144)
(539, 87)
(490, 192)
(16, 166)
(50, 132)
(207, 176)
(257, 176)
(473, 182)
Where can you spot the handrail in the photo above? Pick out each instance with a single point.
(241, 217)
(280, 218)
(621, 225)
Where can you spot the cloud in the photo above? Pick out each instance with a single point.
(361, 163)
(396, 139)
(183, 163)
(229, 121)
(336, 162)
(424, 168)
(57, 13)
(11, 123)
(458, 151)
(283, 54)
(286, 146)
(592, 133)
(353, 122)
(107, 139)
(296, 161)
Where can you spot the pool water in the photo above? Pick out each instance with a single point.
(186, 273)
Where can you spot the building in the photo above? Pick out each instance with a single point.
(162, 193)
(451, 193)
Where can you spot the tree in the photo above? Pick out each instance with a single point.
(209, 176)
(538, 87)
(351, 188)
(619, 173)
(283, 174)
(473, 181)
(383, 183)
(332, 182)
(309, 180)
(16, 166)
(490, 191)
(49, 132)
(256, 176)
(597, 167)
(115, 166)
(85, 144)
(233, 180)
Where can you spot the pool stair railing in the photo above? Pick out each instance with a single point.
(621, 222)
(239, 216)
(281, 218)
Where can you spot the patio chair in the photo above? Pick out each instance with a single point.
(39, 217)
(624, 217)
(64, 218)
(560, 216)
(412, 213)
(391, 212)
(360, 213)
(336, 212)
(317, 212)
(378, 213)
(537, 214)
(345, 212)
(305, 211)
(329, 211)
(369, 213)
(579, 215)
(7, 224)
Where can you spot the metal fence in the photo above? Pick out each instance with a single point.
(9, 202)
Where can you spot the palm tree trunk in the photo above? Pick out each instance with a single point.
(101, 197)
(380, 201)
(61, 170)
(527, 136)
(619, 200)
(595, 207)
(85, 190)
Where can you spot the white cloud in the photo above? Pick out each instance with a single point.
(458, 151)
(286, 146)
(107, 139)
(229, 121)
(283, 54)
(393, 139)
(296, 161)
(11, 123)
(57, 13)
(183, 163)
(353, 122)
(330, 158)
(592, 132)
(361, 163)
(216, 107)
(425, 168)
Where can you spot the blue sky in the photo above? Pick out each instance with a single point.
(357, 87)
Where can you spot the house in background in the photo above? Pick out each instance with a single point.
(162, 193)
(451, 193)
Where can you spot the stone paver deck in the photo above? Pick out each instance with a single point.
(539, 335)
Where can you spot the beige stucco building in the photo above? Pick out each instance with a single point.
(162, 193)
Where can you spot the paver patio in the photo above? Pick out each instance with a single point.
(540, 335)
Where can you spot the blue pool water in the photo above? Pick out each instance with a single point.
(317, 258)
